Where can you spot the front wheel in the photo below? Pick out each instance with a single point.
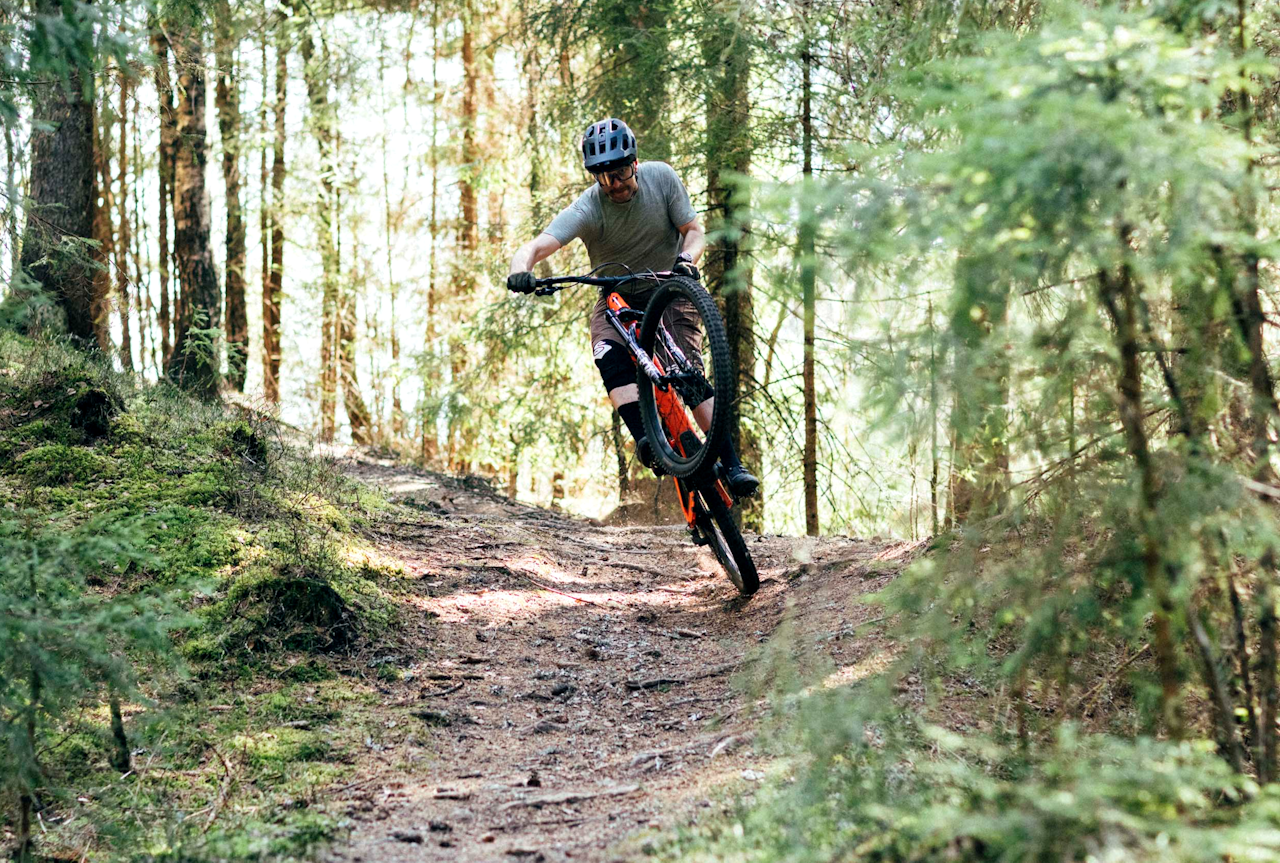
(716, 525)
(684, 335)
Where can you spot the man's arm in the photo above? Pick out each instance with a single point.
(537, 249)
(695, 239)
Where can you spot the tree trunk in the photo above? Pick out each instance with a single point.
(123, 239)
(315, 73)
(227, 99)
(1119, 296)
(62, 200)
(194, 365)
(142, 290)
(979, 418)
(352, 400)
(103, 232)
(393, 288)
(168, 133)
(728, 270)
(468, 230)
(808, 283)
(273, 277)
(430, 441)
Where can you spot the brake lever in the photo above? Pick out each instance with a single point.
(545, 292)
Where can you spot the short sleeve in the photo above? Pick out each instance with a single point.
(679, 208)
(572, 222)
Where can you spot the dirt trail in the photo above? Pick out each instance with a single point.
(570, 684)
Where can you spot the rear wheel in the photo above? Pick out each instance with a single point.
(716, 525)
(682, 307)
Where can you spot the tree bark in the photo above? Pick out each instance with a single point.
(123, 238)
(321, 121)
(393, 288)
(352, 400)
(1118, 295)
(62, 200)
(227, 98)
(728, 270)
(273, 277)
(430, 436)
(469, 229)
(808, 285)
(168, 135)
(103, 231)
(194, 365)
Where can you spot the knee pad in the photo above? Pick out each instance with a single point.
(617, 369)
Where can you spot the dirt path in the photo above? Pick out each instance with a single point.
(567, 684)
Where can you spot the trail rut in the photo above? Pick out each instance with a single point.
(566, 685)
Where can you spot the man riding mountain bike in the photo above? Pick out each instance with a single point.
(637, 216)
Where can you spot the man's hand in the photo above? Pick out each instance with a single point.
(521, 283)
(684, 267)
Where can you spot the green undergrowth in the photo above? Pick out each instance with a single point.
(260, 553)
(923, 761)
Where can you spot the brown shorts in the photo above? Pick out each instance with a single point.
(680, 317)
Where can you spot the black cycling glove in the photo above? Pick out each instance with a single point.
(684, 267)
(521, 283)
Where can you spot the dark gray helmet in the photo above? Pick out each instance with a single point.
(607, 145)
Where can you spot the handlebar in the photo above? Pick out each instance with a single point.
(547, 287)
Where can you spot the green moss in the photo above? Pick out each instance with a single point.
(59, 464)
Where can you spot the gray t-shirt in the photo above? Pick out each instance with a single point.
(642, 233)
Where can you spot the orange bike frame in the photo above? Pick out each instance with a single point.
(674, 419)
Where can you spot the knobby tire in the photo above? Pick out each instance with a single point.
(716, 524)
(700, 462)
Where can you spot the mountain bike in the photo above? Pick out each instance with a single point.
(685, 443)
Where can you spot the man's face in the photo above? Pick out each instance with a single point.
(621, 184)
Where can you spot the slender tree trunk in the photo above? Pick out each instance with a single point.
(728, 269)
(194, 365)
(168, 134)
(103, 232)
(123, 238)
(62, 200)
(227, 99)
(469, 229)
(1264, 409)
(1119, 296)
(315, 73)
(352, 400)
(264, 205)
(142, 284)
(808, 286)
(429, 432)
(397, 409)
(12, 197)
(273, 277)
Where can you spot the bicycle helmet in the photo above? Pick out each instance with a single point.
(607, 144)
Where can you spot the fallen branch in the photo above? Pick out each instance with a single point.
(655, 682)
(222, 792)
(563, 797)
(1087, 698)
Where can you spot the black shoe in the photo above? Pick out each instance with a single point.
(644, 452)
(739, 482)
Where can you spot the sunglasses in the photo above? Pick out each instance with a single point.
(608, 178)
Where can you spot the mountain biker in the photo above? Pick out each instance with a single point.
(637, 215)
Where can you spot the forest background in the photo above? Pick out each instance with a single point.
(373, 168)
(996, 273)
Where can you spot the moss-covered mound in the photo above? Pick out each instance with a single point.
(263, 548)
